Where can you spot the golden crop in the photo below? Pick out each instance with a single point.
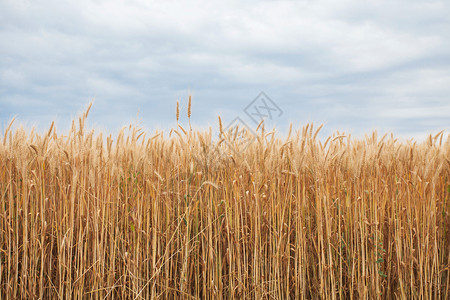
(189, 217)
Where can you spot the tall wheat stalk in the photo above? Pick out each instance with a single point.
(136, 218)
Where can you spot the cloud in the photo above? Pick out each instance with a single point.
(350, 64)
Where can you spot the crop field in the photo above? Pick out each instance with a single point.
(186, 215)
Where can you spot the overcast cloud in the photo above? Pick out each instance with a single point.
(354, 65)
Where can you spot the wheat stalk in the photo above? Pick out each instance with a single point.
(140, 216)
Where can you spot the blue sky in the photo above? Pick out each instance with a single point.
(353, 65)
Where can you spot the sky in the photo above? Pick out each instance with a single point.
(356, 66)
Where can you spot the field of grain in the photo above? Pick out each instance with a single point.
(185, 215)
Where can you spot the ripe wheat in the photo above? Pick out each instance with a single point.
(192, 218)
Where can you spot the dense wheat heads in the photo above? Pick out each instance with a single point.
(193, 217)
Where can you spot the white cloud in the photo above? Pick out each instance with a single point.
(324, 59)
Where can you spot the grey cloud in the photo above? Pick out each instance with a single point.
(351, 65)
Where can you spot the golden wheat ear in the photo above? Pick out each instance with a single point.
(189, 107)
(189, 112)
(7, 130)
(220, 127)
(178, 111)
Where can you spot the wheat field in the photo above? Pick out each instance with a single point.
(188, 216)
